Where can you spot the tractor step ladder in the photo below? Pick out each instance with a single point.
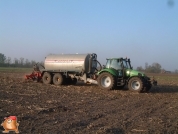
(120, 81)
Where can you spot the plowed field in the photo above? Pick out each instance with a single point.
(85, 109)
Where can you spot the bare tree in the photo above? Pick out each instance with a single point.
(8, 61)
(2, 58)
(33, 62)
(140, 68)
(22, 61)
(176, 71)
(16, 62)
(27, 63)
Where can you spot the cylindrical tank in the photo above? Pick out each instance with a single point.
(71, 62)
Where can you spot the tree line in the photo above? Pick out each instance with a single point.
(8, 62)
(21, 62)
(154, 68)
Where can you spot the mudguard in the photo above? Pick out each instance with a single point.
(110, 70)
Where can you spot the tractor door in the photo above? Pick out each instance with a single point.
(117, 65)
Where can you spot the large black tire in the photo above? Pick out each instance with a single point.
(47, 78)
(135, 84)
(106, 81)
(58, 79)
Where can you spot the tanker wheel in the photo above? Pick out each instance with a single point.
(135, 84)
(47, 78)
(106, 81)
(58, 79)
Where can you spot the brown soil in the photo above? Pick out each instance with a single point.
(87, 109)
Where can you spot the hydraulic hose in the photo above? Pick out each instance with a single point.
(99, 64)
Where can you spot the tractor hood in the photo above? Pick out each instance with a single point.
(130, 72)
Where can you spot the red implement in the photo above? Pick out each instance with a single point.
(35, 75)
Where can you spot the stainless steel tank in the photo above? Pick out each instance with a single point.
(71, 62)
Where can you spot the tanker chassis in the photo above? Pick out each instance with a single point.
(70, 68)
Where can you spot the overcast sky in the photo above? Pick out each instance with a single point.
(143, 30)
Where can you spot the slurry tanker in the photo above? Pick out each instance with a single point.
(65, 69)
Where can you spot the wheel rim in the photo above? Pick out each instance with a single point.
(135, 85)
(105, 81)
(46, 78)
(58, 79)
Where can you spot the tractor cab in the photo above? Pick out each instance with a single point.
(118, 63)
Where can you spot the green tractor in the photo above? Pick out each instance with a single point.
(118, 72)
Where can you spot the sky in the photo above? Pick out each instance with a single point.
(146, 31)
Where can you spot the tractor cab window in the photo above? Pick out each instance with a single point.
(116, 64)
(107, 64)
(126, 64)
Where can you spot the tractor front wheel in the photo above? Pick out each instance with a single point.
(106, 81)
(135, 84)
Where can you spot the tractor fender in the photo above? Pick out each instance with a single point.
(111, 71)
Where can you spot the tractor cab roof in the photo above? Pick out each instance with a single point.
(121, 58)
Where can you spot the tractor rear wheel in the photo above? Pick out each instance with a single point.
(135, 84)
(47, 78)
(58, 79)
(106, 81)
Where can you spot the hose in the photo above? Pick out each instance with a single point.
(99, 64)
